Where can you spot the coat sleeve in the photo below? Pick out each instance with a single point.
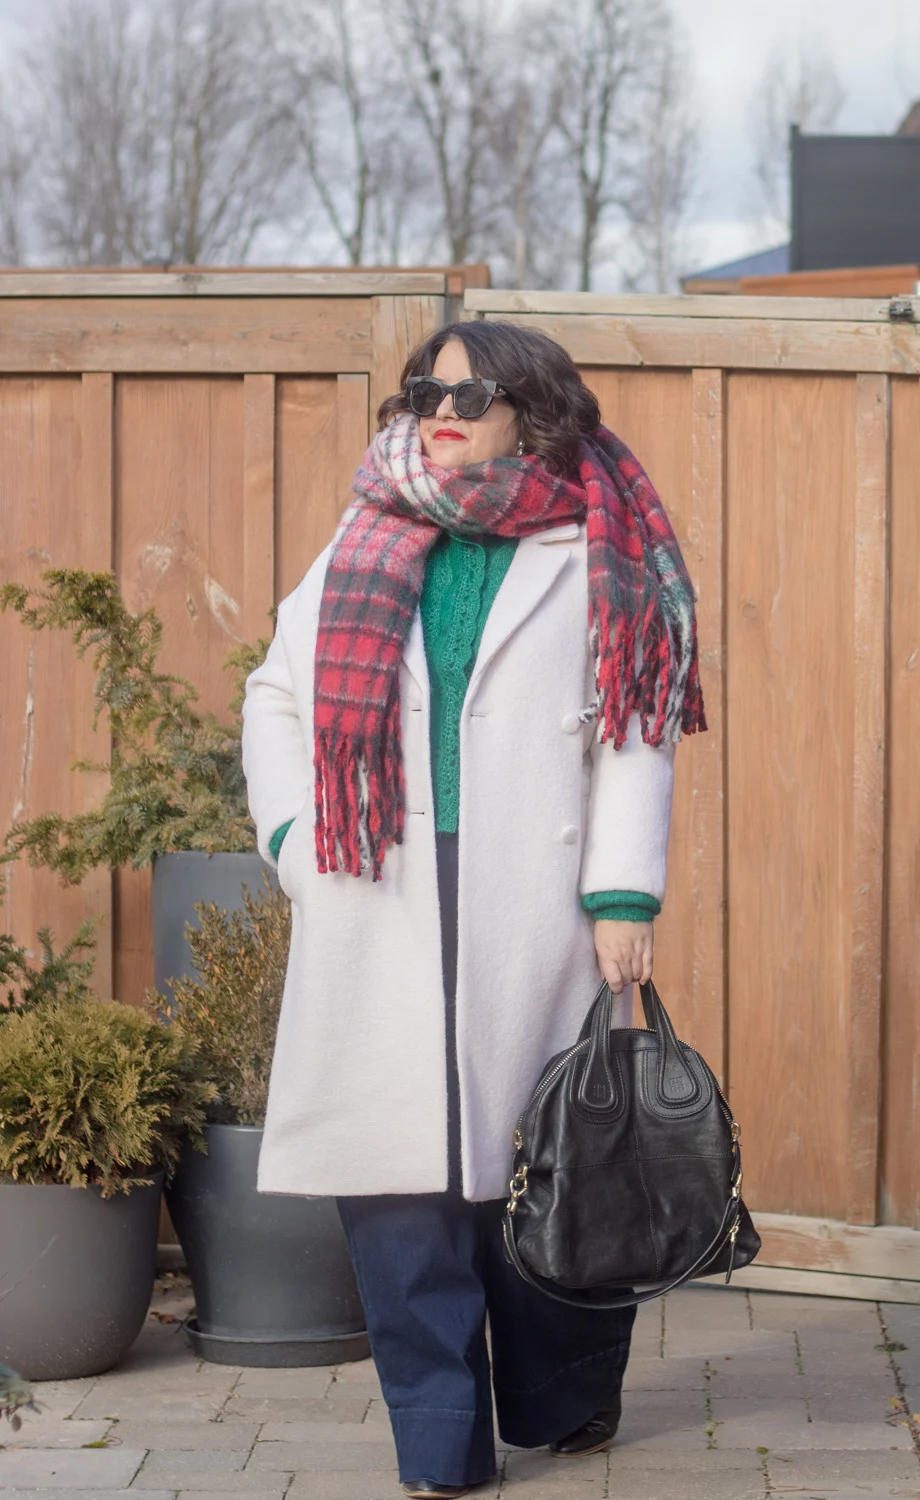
(629, 816)
(276, 761)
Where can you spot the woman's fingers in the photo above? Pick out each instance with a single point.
(614, 977)
(647, 962)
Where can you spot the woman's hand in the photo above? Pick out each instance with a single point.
(625, 951)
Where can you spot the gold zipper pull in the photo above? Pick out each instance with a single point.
(518, 1139)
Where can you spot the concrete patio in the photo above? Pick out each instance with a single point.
(731, 1396)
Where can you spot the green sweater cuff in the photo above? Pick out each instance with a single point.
(277, 839)
(621, 906)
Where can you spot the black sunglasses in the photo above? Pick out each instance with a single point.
(471, 398)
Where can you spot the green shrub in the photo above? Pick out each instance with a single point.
(175, 776)
(94, 1093)
(231, 1010)
(64, 975)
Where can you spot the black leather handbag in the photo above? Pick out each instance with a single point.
(626, 1168)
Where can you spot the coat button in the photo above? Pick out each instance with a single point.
(569, 834)
(571, 723)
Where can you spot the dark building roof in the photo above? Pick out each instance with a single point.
(772, 262)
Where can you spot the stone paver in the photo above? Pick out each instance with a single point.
(178, 1436)
(69, 1468)
(729, 1395)
(48, 1430)
(324, 1457)
(57, 1494)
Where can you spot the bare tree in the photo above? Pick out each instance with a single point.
(453, 59)
(90, 114)
(222, 147)
(801, 89)
(663, 174)
(602, 51)
(158, 137)
(344, 116)
(14, 178)
(533, 238)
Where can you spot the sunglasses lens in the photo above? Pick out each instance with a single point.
(425, 397)
(471, 399)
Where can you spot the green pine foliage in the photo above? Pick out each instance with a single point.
(65, 975)
(95, 1093)
(231, 1010)
(175, 776)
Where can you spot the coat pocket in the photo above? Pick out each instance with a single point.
(285, 857)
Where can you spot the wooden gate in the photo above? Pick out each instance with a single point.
(784, 437)
(197, 433)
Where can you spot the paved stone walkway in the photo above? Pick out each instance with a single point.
(731, 1396)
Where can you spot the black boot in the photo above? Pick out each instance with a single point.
(426, 1489)
(593, 1437)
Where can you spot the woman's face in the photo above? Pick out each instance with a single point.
(452, 441)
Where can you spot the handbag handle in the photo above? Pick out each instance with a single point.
(730, 1221)
(597, 1090)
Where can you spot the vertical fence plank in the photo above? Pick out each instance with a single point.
(900, 1197)
(179, 540)
(258, 505)
(789, 767)
(352, 427)
(870, 679)
(706, 564)
(55, 511)
(98, 497)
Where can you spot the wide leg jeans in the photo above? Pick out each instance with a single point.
(431, 1269)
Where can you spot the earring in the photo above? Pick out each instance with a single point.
(520, 448)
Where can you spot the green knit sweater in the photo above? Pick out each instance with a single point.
(462, 578)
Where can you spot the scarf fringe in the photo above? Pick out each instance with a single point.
(360, 794)
(665, 690)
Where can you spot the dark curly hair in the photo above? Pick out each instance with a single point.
(555, 409)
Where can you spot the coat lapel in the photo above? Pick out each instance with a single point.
(534, 569)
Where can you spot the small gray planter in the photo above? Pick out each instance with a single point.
(271, 1274)
(181, 880)
(76, 1275)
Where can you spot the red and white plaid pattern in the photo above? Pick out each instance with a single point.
(639, 594)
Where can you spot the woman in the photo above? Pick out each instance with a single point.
(460, 752)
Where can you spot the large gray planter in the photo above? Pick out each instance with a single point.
(271, 1274)
(181, 880)
(76, 1275)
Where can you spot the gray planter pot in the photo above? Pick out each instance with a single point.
(76, 1275)
(272, 1277)
(181, 880)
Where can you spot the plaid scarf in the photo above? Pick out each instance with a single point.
(640, 606)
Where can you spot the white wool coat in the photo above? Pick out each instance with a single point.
(358, 1094)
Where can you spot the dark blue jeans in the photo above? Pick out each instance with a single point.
(430, 1268)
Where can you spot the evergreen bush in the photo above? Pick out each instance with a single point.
(175, 776)
(231, 1010)
(96, 1094)
(64, 975)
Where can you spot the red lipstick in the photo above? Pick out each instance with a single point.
(448, 434)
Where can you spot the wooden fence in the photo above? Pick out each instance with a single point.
(198, 434)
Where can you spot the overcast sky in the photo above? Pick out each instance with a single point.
(875, 45)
